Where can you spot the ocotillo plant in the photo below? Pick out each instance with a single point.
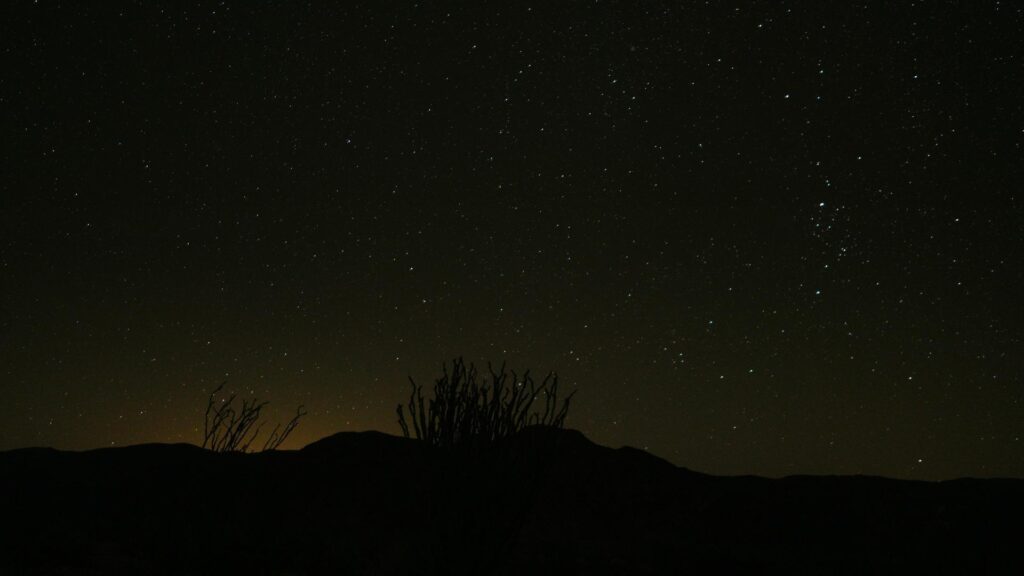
(227, 429)
(468, 408)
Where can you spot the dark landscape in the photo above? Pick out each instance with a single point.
(541, 501)
(773, 246)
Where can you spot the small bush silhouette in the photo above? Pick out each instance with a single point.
(469, 409)
(227, 429)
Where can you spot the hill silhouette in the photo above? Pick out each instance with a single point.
(543, 501)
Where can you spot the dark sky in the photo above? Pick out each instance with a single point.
(769, 238)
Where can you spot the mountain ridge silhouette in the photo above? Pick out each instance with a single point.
(543, 501)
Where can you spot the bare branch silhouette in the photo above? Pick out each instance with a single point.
(275, 439)
(227, 429)
(469, 408)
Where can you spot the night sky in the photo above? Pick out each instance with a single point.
(767, 238)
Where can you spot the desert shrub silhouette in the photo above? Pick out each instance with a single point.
(230, 429)
(469, 409)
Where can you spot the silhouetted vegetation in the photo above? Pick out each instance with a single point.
(228, 428)
(468, 408)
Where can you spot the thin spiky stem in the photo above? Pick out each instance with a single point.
(468, 408)
(227, 429)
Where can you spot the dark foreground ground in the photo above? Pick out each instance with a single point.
(543, 502)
